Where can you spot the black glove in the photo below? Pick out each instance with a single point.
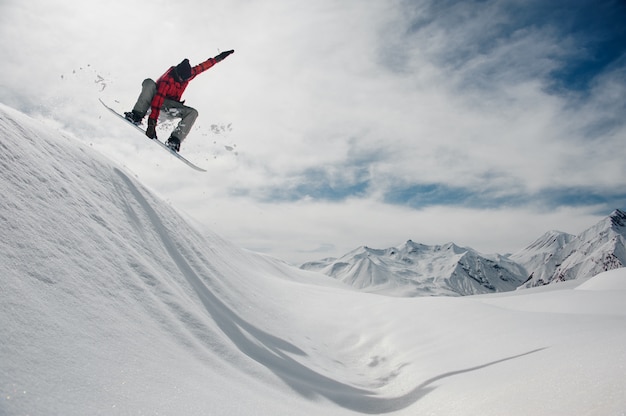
(151, 130)
(223, 55)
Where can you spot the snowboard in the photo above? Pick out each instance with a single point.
(157, 141)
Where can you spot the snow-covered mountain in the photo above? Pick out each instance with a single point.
(112, 303)
(414, 269)
(557, 256)
(419, 270)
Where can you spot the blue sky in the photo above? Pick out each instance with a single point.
(340, 124)
(599, 29)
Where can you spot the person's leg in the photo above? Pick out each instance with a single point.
(148, 90)
(187, 114)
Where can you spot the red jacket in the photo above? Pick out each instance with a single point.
(168, 87)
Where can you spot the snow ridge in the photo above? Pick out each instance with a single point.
(103, 285)
(600, 248)
(419, 270)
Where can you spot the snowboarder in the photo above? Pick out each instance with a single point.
(166, 94)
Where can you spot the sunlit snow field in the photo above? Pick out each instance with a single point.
(113, 303)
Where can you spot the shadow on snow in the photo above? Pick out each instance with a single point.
(272, 352)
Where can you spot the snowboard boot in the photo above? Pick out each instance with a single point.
(134, 117)
(173, 143)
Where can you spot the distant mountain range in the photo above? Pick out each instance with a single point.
(558, 256)
(414, 269)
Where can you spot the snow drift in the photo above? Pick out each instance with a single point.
(112, 303)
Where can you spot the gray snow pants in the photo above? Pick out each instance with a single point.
(187, 114)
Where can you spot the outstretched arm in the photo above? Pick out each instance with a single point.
(203, 66)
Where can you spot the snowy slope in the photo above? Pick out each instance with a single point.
(414, 269)
(558, 256)
(112, 303)
(542, 253)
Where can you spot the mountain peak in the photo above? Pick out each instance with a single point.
(415, 269)
(611, 225)
(618, 218)
(595, 250)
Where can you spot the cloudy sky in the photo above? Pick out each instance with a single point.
(344, 123)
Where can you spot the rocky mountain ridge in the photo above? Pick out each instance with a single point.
(557, 256)
(414, 269)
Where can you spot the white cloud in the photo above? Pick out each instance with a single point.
(310, 230)
(333, 94)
